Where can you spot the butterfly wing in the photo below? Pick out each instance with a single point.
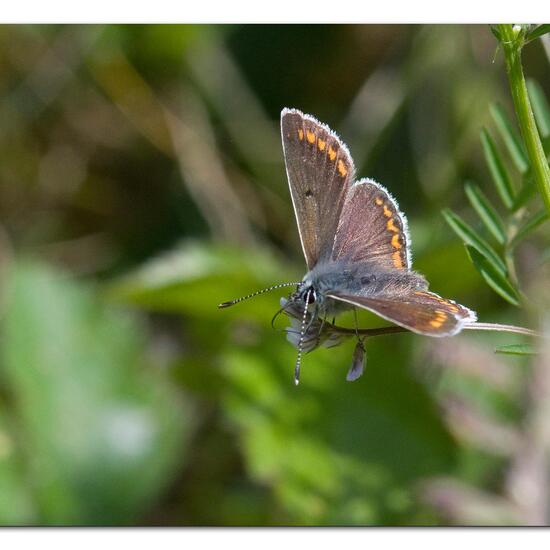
(372, 228)
(420, 311)
(320, 171)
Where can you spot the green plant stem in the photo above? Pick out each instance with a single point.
(512, 43)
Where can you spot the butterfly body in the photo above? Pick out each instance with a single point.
(365, 279)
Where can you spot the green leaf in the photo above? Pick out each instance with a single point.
(541, 110)
(493, 277)
(100, 430)
(470, 237)
(498, 171)
(194, 278)
(537, 32)
(489, 216)
(527, 191)
(529, 226)
(510, 137)
(516, 349)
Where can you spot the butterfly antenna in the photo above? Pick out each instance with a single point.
(257, 293)
(301, 341)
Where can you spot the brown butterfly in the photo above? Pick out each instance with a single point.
(355, 240)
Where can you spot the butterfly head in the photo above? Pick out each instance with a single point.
(305, 293)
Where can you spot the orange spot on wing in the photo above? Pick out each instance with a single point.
(387, 212)
(321, 144)
(310, 136)
(391, 226)
(300, 134)
(331, 153)
(450, 305)
(395, 242)
(447, 303)
(342, 168)
(378, 201)
(396, 257)
(440, 318)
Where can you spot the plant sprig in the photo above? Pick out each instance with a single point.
(518, 165)
(513, 38)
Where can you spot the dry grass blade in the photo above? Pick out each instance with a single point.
(528, 479)
(466, 505)
(204, 174)
(477, 429)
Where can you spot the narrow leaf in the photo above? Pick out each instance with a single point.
(510, 137)
(537, 32)
(493, 277)
(530, 226)
(485, 210)
(541, 110)
(516, 349)
(470, 237)
(497, 169)
(527, 191)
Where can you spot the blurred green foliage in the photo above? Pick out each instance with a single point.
(88, 414)
(142, 183)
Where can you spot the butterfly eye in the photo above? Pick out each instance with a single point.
(310, 296)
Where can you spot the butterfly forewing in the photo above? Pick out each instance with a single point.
(371, 228)
(320, 172)
(422, 312)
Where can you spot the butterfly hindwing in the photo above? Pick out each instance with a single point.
(371, 228)
(320, 172)
(420, 311)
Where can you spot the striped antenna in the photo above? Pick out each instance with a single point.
(257, 293)
(301, 341)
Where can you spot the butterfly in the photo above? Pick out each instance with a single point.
(355, 241)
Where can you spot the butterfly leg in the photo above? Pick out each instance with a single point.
(323, 321)
(360, 341)
(288, 304)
